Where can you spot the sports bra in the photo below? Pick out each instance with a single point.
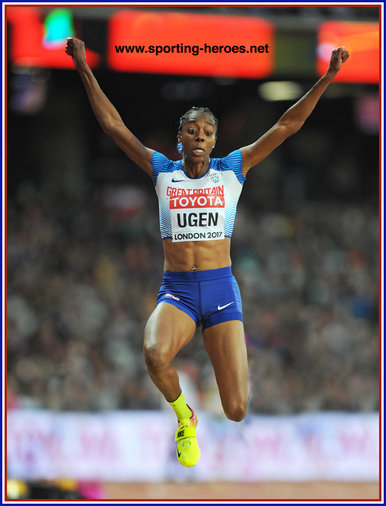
(198, 209)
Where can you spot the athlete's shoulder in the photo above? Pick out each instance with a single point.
(162, 163)
(232, 162)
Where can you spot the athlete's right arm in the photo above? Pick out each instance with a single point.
(106, 114)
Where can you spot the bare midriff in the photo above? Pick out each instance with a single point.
(196, 255)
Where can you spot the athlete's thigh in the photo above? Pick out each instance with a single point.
(225, 343)
(168, 330)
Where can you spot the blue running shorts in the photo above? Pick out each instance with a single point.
(209, 297)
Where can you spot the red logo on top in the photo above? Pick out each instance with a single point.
(197, 201)
(196, 198)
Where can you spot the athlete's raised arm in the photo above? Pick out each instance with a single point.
(293, 119)
(106, 114)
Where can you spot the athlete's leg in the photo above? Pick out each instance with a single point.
(225, 343)
(167, 331)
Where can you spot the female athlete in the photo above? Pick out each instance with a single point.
(197, 204)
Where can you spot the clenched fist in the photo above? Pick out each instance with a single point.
(338, 56)
(76, 48)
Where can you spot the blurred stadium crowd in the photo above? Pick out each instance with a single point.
(80, 288)
(83, 273)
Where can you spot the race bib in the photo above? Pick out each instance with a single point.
(197, 214)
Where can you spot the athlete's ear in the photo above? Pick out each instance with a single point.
(179, 137)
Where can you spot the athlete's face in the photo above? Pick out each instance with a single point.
(198, 136)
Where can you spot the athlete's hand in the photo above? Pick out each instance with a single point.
(76, 48)
(338, 57)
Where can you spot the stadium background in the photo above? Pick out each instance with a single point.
(84, 258)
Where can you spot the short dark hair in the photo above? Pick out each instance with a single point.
(195, 109)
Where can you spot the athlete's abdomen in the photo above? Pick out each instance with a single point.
(196, 255)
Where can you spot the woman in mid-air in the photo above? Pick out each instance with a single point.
(198, 196)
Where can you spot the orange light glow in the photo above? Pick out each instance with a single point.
(223, 44)
(26, 41)
(361, 39)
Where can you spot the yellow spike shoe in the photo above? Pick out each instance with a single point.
(188, 452)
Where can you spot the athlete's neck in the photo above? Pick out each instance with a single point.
(193, 169)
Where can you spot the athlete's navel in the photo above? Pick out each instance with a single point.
(194, 267)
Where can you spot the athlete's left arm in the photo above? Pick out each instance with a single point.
(293, 119)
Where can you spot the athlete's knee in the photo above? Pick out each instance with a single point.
(236, 410)
(236, 414)
(156, 358)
